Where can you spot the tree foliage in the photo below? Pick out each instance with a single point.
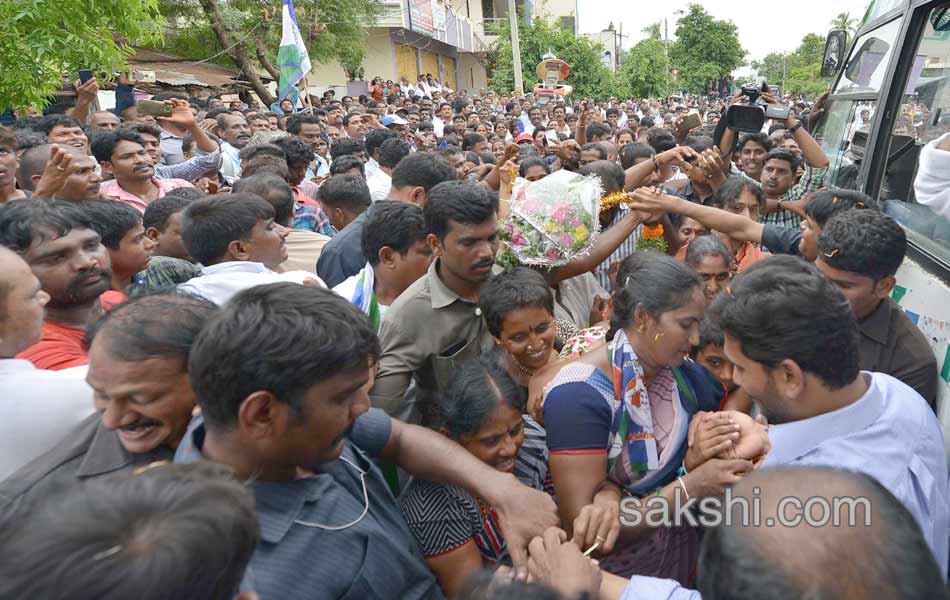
(334, 30)
(589, 76)
(802, 68)
(644, 70)
(40, 40)
(705, 49)
(846, 22)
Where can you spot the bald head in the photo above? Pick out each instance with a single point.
(82, 182)
(796, 549)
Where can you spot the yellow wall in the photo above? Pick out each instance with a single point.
(448, 71)
(406, 63)
(471, 73)
(378, 62)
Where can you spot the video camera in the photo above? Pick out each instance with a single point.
(750, 116)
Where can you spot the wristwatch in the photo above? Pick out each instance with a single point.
(795, 128)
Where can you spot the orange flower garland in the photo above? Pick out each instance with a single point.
(651, 238)
(609, 201)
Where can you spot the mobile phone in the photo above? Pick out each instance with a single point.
(154, 108)
(691, 121)
(85, 75)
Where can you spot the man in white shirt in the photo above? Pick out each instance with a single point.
(235, 133)
(390, 153)
(933, 175)
(37, 408)
(396, 253)
(236, 238)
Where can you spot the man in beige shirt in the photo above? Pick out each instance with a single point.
(436, 322)
(303, 246)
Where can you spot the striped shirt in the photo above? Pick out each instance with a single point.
(625, 249)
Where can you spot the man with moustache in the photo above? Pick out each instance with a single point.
(298, 427)
(65, 253)
(138, 354)
(46, 171)
(436, 322)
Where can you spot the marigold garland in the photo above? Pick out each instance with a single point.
(609, 201)
(651, 238)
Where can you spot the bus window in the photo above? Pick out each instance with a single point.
(879, 7)
(870, 55)
(924, 116)
(843, 135)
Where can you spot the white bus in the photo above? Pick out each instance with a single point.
(891, 95)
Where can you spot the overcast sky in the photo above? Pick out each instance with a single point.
(763, 26)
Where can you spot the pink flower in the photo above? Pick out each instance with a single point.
(509, 228)
(530, 205)
(518, 240)
(561, 213)
(553, 254)
(564, 239)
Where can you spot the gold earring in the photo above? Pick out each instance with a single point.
(657, 337)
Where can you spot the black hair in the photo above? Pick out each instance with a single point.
(392, 151)
(294, 122)
(349, 117)
(348, 192)
(612, 112)
(827, 203)
(392, 224)
(510, 290)
(249, 345)
(344, 146)
(346, 163)
(161, 324)
(700, 143)
(817, 328)
(533, 161)
(630, 153)
(24, 221)
(459, 201)
(210, 224)
(423, 169)
(103, 145)
(656, 281)
(736, 557)
(265, 164)
(865, 242)
(710, 334)
(595, 147)
(253, 151)
(469, 140)
(598, 129)
(647, 122)
(111, 220)
(140, 128)
(274, 190)
(730, 190)
(295, 149)
(160, 535)
(46, 124)
(479, 386)
(375, 137)
(158, 212)
(783, 154)
(758, 137)
(708, 244)
(27, 139)
(660, 139)
(610, 174)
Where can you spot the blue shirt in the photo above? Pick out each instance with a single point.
(342, 257)
(891, 434)
(651, 588)
(375, 558)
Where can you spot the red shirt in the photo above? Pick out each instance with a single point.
(59, 348)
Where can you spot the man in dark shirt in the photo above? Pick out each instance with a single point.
(143, 398)
(412, 179)
(345, 199)
(860, 251)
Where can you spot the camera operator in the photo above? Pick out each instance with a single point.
(778, 167)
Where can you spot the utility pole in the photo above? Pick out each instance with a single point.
(666, 44)
(515, 46)
(784, 55)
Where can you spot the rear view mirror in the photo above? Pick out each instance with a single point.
(835, 45)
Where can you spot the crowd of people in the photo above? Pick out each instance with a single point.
(423, 343)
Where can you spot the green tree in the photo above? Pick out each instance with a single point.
(248, 33)
(771, 67)
(705, 49)
(644, 73)
(589, 76)
(846, 22)
(40, 40)
(652, 31)
(800, 70)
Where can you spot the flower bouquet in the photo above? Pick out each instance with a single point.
(651, 238)
(552, 220)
